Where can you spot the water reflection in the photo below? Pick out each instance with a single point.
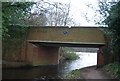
(86, 59)
(30, 73)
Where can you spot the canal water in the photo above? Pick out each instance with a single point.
(85, 60)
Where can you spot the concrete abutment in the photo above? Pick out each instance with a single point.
(42, 55)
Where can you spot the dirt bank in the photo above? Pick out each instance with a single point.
(94, 73)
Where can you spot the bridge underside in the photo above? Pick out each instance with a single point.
(66, 44)
(48, 53)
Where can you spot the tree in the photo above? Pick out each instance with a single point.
(51, 14)
(38, 19)
(100, 9)
(37, 15)
(13, 13)
(60, 15)
(104, 9)
(113, 24)
(110, 16)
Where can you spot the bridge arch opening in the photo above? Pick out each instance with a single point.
(48, 53)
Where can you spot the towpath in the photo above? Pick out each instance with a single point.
(92, 73)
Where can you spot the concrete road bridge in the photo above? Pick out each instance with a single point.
(43, 43)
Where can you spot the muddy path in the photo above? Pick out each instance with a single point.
(94, 73)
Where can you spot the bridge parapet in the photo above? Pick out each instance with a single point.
(64, 35)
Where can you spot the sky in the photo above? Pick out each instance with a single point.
(78, 10)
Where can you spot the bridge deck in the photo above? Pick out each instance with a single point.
(64, 36)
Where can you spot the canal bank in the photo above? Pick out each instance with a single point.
(95, 73)
(91, 72)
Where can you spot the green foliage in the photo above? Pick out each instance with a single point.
(74, 74)
(15, 41)
(113, 68)
(13, 13)
(111, 13)
(74, 71)
(18, 32)
(14, 30)
(104, 9)
(113, 24)
(114, 17)
(68, 54)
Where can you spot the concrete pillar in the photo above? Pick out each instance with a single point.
(100, 58)
(43, 55)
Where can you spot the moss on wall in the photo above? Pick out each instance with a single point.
(13, 44)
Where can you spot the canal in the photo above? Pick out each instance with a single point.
(54, 71)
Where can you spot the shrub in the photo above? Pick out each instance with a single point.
(113, 68)
(68, 54)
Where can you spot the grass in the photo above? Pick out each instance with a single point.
(74, 74)
(114, 69)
